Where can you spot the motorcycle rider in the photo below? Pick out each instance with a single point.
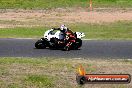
(69, 36)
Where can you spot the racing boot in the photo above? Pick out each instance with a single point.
(66, 48)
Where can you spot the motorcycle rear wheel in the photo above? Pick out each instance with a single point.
(40, 44)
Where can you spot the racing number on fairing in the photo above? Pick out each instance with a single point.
(80, 34)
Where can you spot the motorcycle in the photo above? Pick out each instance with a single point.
(55, 40)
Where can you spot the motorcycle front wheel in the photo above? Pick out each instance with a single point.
(77, 44)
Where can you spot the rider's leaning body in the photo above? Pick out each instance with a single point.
(69, 36)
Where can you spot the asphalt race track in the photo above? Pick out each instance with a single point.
(90, 49)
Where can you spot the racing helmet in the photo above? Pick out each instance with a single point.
(63, 28)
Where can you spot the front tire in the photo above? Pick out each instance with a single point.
(77, 44)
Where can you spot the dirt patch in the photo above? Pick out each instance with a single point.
(29, 18)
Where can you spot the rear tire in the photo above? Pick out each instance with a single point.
(40, 44)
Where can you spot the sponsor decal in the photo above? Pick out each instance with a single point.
(83, 78)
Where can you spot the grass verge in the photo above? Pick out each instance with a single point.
(39, 4)
(117, 30)
(57, 72)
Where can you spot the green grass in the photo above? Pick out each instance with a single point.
(112, 3)
(42, 4)
(117, 30)
(56, 72)
(22, 32)
(41, 80)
